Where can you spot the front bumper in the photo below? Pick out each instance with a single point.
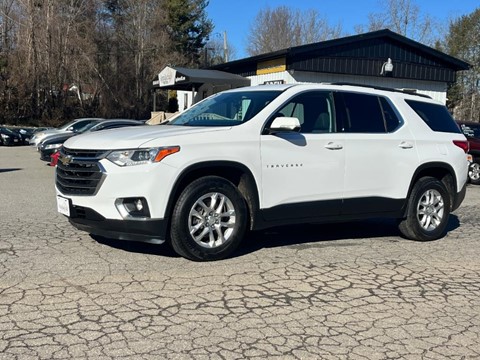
(151, 230)
(45, 154)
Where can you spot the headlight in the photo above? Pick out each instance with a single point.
(5, 136)
(52, 146)
(141, 156)
(40, 136)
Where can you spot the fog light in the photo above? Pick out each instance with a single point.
(133, 208)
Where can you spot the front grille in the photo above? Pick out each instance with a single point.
(79, 171)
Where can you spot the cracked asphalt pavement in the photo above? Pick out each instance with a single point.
(341, 291)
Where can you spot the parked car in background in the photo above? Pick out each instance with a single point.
(25, 134)
(471, 130)
(71, 127)
(51, 144)
(9, 137)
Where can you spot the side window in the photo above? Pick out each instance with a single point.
(313, 109)
(79, 125)
(392, 121)
(362, 114)
(436, 116)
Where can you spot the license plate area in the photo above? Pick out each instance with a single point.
(63, 206)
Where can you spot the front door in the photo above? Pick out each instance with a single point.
(303, 173)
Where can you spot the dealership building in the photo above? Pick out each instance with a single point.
(379, 58)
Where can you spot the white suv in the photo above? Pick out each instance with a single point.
(257, 157)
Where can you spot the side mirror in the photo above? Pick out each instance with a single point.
(284, 124)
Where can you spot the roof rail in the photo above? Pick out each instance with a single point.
(404, 91)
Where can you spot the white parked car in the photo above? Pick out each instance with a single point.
(70, 127)
(257, 157)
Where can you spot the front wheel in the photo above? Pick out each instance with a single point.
(428, 211)
(208, 220)
(474, 172)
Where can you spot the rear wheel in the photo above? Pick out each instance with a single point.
(428, 211)
(209, 220)
(474, 172)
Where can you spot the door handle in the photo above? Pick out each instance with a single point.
(333, 146)
(406, 145)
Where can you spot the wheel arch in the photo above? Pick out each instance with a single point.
(439, 170)
(235, 172)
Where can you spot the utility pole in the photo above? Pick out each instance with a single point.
(225, 49)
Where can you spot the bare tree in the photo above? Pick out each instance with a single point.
(48, 37)
(463, 41)
(284, 27)
(315, 28)
(7, 24)
(61, 59)
(403, 17)
(8, 32)
(219, 50)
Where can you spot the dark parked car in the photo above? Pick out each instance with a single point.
(472, 132)
(9, 137)
(25, 134)
(50, 145)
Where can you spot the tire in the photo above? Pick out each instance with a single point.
(428, 211)
(209, 220)
(474, 172)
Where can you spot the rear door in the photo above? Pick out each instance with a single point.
(380, 154)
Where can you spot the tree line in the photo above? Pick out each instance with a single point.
(62, 59)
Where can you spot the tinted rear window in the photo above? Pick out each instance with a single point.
(363, 114)
(435, 116)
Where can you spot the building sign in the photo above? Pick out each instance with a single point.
(274, 82)
(271, 66)
(167, 76)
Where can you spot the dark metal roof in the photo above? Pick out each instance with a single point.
(362, 54)
(186, 79)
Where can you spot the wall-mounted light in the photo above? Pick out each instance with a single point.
(387, 67)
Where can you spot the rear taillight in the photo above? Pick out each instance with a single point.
(463, 144)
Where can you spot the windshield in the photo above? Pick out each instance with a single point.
(86, 127)
(8, 131)
(226, 109)
(64, 127)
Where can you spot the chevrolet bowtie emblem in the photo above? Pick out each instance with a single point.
(67, 159)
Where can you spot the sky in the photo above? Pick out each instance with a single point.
(236, 17)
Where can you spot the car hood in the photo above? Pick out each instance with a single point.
(58, 138)
(135, 137)
(50, 132)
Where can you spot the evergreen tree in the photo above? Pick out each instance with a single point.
(188, 27)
